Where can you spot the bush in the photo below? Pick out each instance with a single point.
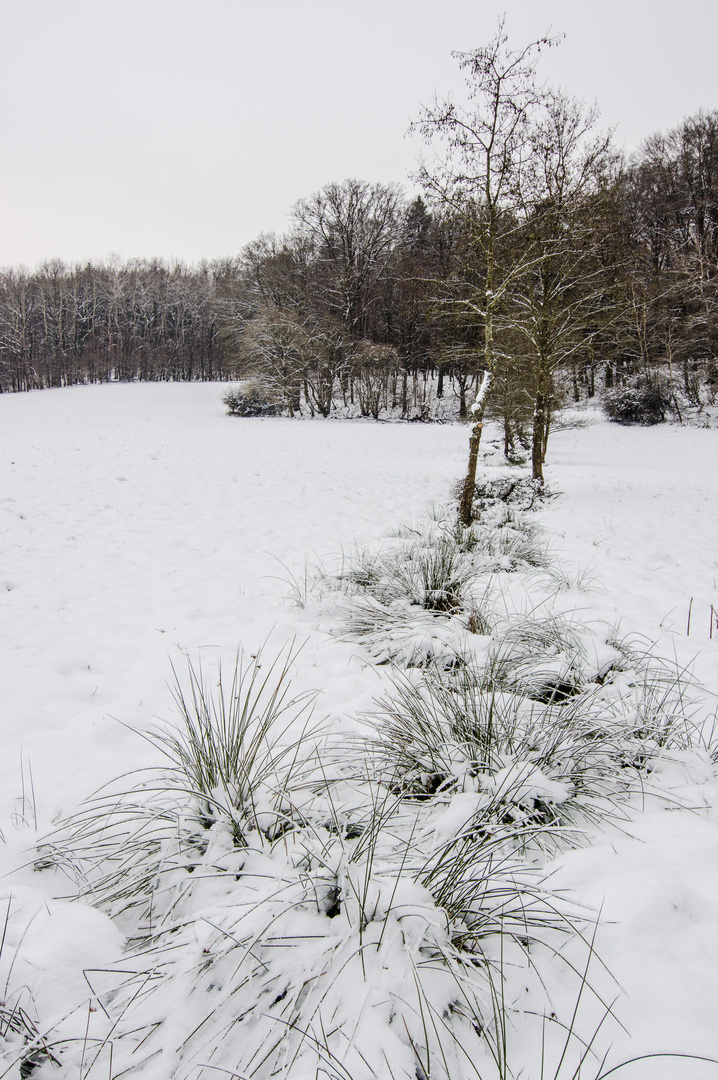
(637, 404)
(251, 399)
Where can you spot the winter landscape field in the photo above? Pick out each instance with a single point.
(367, 895)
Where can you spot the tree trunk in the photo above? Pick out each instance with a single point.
(462, 398)
(508, 436)
(467, 492)
(466, 504)
(537, 442)
(546, 432)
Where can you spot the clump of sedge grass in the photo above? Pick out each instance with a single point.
(539, 744)
(238, 746)
(233, 759)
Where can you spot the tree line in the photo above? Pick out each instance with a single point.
(110, 321)
(536, 262)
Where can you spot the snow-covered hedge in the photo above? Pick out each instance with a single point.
(638, 404)
(251, 399)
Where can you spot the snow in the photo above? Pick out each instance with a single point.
(140, 525)
(638, 508)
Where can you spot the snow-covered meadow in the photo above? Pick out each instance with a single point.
(140, 526)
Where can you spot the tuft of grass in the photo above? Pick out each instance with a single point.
(239, 752)
(23, 1048)
(427, 572)
(311, 584)
(522, 728)
(239, 745)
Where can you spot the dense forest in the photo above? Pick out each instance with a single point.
(537, 258)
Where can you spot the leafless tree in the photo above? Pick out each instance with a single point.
(481, 153)
(352, 227)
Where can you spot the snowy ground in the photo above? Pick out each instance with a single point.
(140, 524)
(639, 510)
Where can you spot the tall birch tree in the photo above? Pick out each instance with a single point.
(480, 154)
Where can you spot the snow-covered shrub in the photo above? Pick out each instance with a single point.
(503, 541)
(641, 403)
(478, 874)
(316, 951)
(251, 399)
(315, 957)
(413, 600)
(519, 492)
(431, 575)
(428, 571)
(547, 730)
(402, 633)
(349, 946)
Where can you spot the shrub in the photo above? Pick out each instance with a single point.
(637, 404)
(251, 399)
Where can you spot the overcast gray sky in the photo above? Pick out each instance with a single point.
(183, 128)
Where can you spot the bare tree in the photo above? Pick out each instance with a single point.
(372, 368)
(676, 184)
(479, 171)
(555, 307)
(276, 347)
(352, 228)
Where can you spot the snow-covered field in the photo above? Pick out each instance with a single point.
(141, 525)
(140, 522)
